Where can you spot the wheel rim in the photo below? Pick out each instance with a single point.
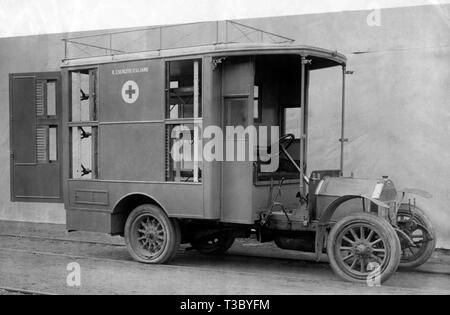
(361, 249)
(149, 236)
(413, 227)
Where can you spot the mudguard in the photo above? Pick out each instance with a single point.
(328, 213)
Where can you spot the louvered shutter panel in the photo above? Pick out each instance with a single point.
(40, 96)
(41, 144)
(41, 131)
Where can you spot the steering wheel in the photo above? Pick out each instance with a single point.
(286, 140)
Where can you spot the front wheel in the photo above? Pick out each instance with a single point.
(151, 236)
(416, 224)
(363, 247)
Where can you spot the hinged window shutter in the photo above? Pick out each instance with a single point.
(35, 141)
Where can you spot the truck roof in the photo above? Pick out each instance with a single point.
(323, 57)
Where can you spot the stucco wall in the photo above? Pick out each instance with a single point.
(398, 100)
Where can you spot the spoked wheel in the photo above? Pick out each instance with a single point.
(417, 226)
(151, 236)
(214, 244)
(362, 246)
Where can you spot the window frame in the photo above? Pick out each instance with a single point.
(167, 88)
(92, 123)
(194, 121)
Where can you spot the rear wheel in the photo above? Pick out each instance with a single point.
(214, 244)
(417, 226)
(151, 236)
(362, 247)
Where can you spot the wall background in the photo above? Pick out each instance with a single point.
(398, 100)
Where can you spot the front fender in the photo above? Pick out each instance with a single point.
(331, 208)
(326, 216)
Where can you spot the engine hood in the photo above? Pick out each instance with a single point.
(379, 189)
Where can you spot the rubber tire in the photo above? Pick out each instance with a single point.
(420, 215)
(172, 230)
(219, 250)
(384, 226)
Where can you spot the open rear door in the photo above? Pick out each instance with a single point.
(35, 136)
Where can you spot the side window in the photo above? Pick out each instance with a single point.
(83, 124)
(183, 89)
(181, 164)
(183, 101)
(83, 100)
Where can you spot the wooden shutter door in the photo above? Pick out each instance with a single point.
(35, 137)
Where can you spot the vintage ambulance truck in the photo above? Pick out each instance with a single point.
(103, 131)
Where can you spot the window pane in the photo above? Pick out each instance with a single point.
(52, 143)
(236, 112)
(84, 152)
(256, 103)
(174, 111)
(184, 89)
(51, 98)
(83, 101)
(255, 109)
(256, 91)
(182, 166)
(292, 121)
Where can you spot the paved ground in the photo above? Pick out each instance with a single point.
(34, 257)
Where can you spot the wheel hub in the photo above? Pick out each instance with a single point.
(150, 235)
(362, 249)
